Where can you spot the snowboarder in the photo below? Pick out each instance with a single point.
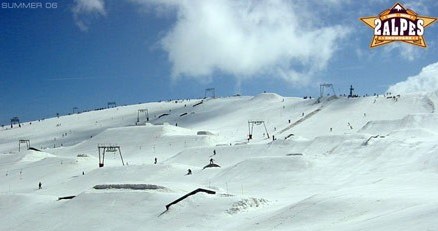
(83, 173)
(214, 152)
(40, 185)
(155, 162)
(189, 171)
(211, 161)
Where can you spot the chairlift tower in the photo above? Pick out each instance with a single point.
(326, 85)
(251, 124)
(108, 148)
(15, 120)
(111, 104)
(146, 111)
(210, 92)
(26, 142)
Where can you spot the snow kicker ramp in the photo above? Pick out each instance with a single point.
(427, 122)
(261, 169)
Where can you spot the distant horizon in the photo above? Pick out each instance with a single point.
(79, 111)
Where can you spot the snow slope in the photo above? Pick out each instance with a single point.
(338, 164)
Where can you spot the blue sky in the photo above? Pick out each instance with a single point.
(86, 53)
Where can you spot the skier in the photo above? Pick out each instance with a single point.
(211, 161)
(214, 152)
(40, 185)
(155, 162)
(189, 172)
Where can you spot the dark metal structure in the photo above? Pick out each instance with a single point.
(15, 120)
(146, 111)
(211, 92)
(189, 194)
(326, 85)
(351, 91)
(108, 148)
(251, 124)
(26, 142)
(112, 104)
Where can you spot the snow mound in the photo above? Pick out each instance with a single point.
(260, 168)
(33, 156)
(170, 130)
(266, 97)
(412, 133)
(417, 121)
(326, 144)
(140, 131)
(246, 204)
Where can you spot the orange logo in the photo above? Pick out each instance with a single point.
(398, 24)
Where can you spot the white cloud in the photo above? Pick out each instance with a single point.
(425, 81)
(84, 10)
(247, 39)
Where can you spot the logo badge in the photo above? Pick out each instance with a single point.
(398, 24)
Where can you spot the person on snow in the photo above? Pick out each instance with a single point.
(189, 172)
(211, 161)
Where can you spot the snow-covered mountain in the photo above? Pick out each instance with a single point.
(366, 163)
